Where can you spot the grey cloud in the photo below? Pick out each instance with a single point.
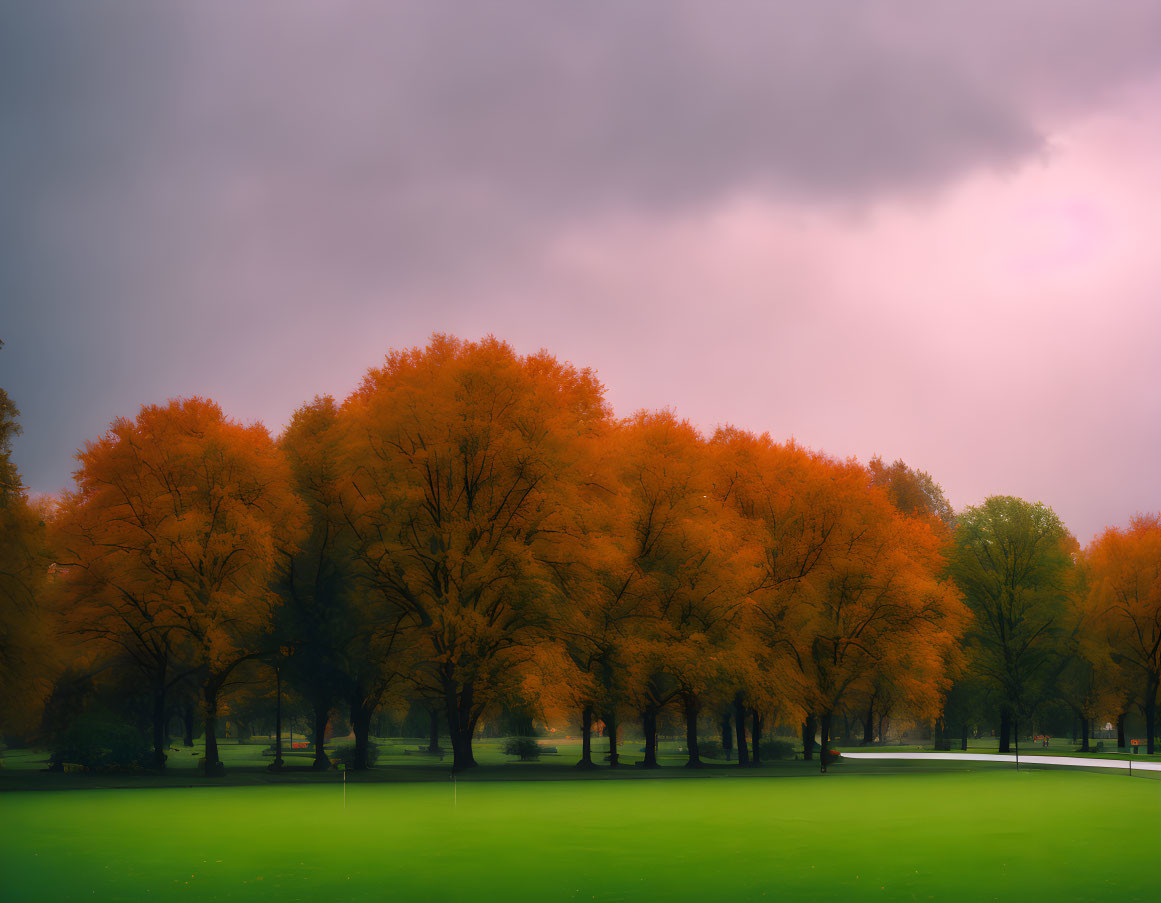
(174, 174)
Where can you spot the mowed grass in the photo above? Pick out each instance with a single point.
(943, 835)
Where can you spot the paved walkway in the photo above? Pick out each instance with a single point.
(1072, 761)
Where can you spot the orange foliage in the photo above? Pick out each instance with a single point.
(1124, 600)
(465, 464)
(172, 532)
(844, 586)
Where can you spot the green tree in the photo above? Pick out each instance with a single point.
(1012, 560)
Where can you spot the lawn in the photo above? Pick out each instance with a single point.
(943, 834)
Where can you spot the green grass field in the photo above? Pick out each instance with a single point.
(945, 833)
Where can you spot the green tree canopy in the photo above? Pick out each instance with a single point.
(1011, 560)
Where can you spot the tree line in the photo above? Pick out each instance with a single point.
(473, 528)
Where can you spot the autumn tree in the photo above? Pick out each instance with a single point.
(118, 613)
(342, 640)
(1011, 560)
(176, 518)
(914, 493)
(690, 590)
(463, 462)
(875, 599)
(788, 514)
(1124, 573)
(845, 590)
(599, 581)
(25, 631)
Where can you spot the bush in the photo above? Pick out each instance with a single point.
(711, 749)
(345, 753)
(777, 749)
(525, 747)
(95, 742)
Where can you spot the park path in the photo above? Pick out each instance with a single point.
(1071, 761)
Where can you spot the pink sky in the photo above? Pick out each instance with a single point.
(920, 232)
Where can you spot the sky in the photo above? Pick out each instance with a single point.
(918, 229)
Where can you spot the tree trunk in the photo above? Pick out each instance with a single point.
(808, 729)
(278, 762)
(586, 761)
(461, 725)
(869, 724)
(882, 735)
(159, 727)
(473, 721)
(322, 717)
(649, 723)
(1084, 729)
(727, 737)
(361, 712)
(213, 765)
(740, 726)
(1121, 731)
(187, 717)
(963, 738)
(824, 746)
(1150, 715)
(610, 720)
(692, 707)
(433, 731)
(756, 736)
(1005, 730)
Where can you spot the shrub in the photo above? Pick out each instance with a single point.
(345, 753)
(525, 747)
(777, 749)
(95, 742)
(711, 749)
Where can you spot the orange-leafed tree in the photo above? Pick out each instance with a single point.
(874, 600)
(577, 666)
(464, 462)
(113, 611)
(914, 493)
(789, 516)
(26, 631)
(344, 641)
(1124, 575)
(689, 586)
(173, 530)
(600, 582)
(918, 684)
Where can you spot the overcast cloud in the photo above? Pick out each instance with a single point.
(921, 229)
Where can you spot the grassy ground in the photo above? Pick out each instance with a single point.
(401, 760)
(940, 834)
